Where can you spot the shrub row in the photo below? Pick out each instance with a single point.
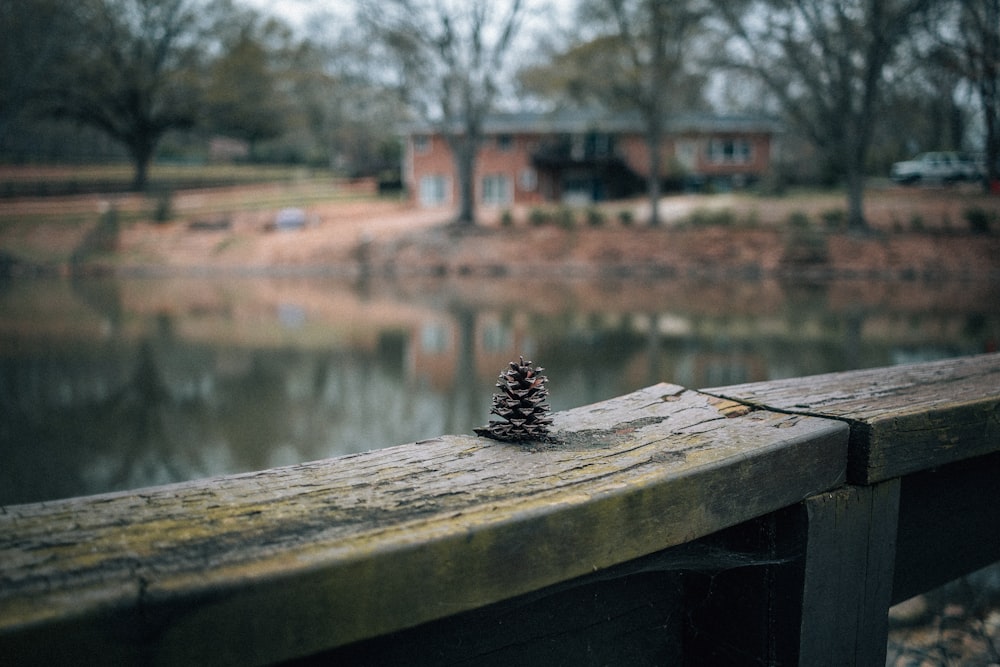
(978, 220)
(567, 218)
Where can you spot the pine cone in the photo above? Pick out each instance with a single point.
(521, 403)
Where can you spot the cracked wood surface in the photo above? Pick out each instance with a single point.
(903, 419)
(261, 567)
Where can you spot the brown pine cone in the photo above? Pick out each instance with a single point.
(521, 404)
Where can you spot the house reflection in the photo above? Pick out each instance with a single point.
(468, 347)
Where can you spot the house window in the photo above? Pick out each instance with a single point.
(496, 189)
(599, 145)
(729, 151)
(505, 142)
(433, 190)
(421, 143)
(528, 179)
(687, 154)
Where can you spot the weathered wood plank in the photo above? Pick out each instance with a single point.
(261, 567)
(903, 419)
(850, 555)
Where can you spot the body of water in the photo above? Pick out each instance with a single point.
(118, 384)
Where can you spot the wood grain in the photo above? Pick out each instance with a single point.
(903, 419)
(262, 567)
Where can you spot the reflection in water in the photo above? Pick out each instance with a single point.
(108, 385)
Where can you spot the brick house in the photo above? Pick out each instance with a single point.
(530, 158)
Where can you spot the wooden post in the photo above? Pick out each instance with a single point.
(925, 440)
(849, 559)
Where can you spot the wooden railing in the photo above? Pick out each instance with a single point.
(770, 523)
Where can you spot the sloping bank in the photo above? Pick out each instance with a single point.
(708, 252)
(715, 252)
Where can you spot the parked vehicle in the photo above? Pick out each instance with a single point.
(936, 167)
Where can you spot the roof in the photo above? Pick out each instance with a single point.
(594, 120)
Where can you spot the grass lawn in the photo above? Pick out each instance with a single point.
(174, 190)
(53, 180)
(46, 229)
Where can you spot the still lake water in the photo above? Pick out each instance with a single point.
(117, 384)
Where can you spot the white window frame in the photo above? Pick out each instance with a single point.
(421, 144)
(435, 190)
(496, 189)
(528, 179)
(686, 151)
(740, 150)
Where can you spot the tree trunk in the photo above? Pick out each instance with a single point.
(142, 155)
(856, 222)
(992, 145)
(464, 150)
(653, 139)
(988, 95)
(855, 150)
(659, 76)
(988, 92)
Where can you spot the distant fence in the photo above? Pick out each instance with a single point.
(769, 523)
(81, 182)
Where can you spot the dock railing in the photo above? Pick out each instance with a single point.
(767, 523)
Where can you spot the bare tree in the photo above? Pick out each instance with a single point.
(825, 61)
(970, 31)
(449, 56)
(33, 39)
(132, 72)
(655, 38)
(244, 94)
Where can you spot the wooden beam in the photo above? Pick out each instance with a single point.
(949, 525)
(850, 556)
(263, 567)
(903, 419)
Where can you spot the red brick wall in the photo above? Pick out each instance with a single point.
(510, 160)
(633, 148)
(434, 159)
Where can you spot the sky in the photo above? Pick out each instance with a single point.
(294, 12)
(297, 12)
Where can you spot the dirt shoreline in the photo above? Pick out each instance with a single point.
(438, 250)
(713, 252)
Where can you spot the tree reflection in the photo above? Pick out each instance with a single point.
(180, 383)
